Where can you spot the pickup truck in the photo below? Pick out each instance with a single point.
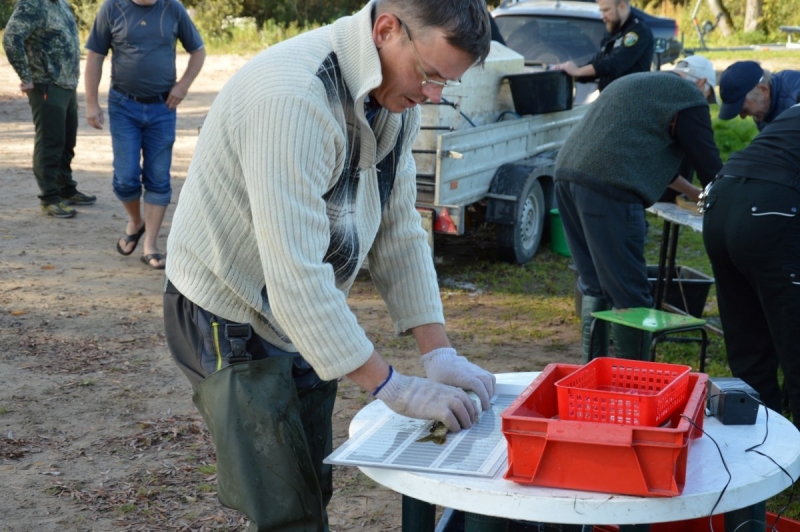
(489, 150)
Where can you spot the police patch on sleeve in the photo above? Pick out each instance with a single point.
(630, 39)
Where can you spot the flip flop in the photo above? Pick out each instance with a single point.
(128, 239)
(154, 256)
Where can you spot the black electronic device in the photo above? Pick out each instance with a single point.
(732, 401)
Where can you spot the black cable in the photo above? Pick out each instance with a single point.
(451, 104)
(753, 449)
(504, 113)
(778, 515)
(724, 464)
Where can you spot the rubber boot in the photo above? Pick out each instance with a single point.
(269, 467)
(630, 343)
(591, 304)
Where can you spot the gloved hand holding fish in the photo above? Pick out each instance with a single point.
(445, 366)
(424, 399)
(438, 432)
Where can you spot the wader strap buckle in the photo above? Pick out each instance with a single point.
(238, 334)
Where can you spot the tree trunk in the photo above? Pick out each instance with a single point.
(725, 24)
(752, 14)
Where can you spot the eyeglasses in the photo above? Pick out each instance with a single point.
(425, 79)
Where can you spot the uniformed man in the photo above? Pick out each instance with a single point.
(41, 43)
(627, 47)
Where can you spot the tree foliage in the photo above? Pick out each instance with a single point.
(210, 15)
(300, 11)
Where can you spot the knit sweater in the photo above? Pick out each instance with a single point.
(289, 190)
(623, 147)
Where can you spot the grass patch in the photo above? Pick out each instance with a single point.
(208, 469)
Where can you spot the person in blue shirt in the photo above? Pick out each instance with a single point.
(142, 103)
(747, 89)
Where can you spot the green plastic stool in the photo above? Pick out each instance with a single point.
(658, 322)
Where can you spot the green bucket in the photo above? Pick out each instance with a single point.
(558, 242)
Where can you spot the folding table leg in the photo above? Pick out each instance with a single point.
(484, 523)
(418, 516)
(749, 519)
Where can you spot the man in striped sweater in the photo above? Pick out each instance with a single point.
(303, 169)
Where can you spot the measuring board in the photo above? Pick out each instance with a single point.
(390, 442)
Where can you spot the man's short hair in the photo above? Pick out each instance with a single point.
(464, 22)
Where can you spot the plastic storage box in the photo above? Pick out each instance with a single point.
(701, 524)
(688, 289)
(541, 92)
(626, 459)
(626, 392)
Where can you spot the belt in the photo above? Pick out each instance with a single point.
(144, 99)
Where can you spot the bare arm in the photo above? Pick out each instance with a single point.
(430, 337)
(181, 88)
(684, 187)
(575, 71)
(376, 369)
(91, 82)
(372, 373)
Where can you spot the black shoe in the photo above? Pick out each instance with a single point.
(79, 198)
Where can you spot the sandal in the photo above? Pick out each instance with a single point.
(154, 256)
(130, 239)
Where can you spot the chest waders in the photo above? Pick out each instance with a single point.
(270, 441)
(270, 423)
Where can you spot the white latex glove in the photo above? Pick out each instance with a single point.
(445, 366)
(423, 399)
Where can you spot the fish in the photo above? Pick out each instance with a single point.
(438, 431)
(438, 434)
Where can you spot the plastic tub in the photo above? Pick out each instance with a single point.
(541, 92)
(558, 241)
(624, 392)
(546, 451)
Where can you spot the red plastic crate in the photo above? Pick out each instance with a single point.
(701, 524)
(625, 392)
(627, 459)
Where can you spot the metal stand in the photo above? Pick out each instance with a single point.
(418, 516)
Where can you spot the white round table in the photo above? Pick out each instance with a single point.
(754, 478)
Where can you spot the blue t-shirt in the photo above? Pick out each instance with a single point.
(143, 39)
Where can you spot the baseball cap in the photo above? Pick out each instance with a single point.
(699, 67)
(734, 84)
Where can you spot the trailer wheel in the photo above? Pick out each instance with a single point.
(520, 241)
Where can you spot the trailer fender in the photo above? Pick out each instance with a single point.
(507, 184)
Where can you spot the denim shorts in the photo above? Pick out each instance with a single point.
(142, 136)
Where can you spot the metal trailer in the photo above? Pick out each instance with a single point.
(474, 150)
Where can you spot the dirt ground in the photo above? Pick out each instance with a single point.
(97, 428)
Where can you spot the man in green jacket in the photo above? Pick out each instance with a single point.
(41, 43)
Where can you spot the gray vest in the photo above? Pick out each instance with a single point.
(622, 147)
